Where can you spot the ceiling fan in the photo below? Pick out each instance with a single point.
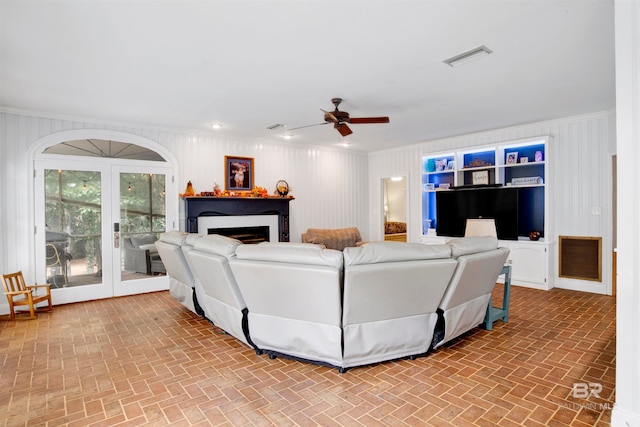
(341, 118)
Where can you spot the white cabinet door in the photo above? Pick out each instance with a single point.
(530, 263)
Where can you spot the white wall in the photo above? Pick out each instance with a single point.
(326, 183)
(579, 157)
(626, 410)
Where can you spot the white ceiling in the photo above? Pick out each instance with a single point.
(183, 65)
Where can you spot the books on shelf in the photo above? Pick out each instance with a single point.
(528, 180)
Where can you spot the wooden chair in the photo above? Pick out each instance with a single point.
(19, 294)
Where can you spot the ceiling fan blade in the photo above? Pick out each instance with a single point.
(329, 116)
(343, 129)
(308, 126)
(361, 120)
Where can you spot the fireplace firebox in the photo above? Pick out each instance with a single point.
(244, 234)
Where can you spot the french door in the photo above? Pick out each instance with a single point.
(96, 223)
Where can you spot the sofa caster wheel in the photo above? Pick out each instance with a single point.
(259, 352)
(272, 356)
(342, 370)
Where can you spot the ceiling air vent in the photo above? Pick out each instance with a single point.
(275, 126)
(467, 56)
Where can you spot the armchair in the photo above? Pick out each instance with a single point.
(333, 238)
(141, 255)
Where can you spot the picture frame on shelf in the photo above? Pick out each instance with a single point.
(428, 187)
(512, 158)
(480, 177)
(238, 173)
(524, 160)
(441, 165)
(450, 165)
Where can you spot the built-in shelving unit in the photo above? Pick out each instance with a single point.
(520, 165)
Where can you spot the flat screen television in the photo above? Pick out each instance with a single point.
(453, 207)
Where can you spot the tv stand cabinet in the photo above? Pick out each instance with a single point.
(531, 263)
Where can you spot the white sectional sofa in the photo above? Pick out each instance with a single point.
(367, 304)
(391, 294)
(294, 297)
(465, 301)
(172, 247)
(215, 285)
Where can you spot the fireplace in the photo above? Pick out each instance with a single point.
(244, 234)
(203, 213)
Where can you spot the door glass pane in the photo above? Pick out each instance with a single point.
(73, 222)
(142, 219)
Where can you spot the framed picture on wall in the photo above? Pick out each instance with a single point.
(238, 173)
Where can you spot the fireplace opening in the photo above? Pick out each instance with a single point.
(249, 235)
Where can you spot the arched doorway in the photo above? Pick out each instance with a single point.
(100, 203)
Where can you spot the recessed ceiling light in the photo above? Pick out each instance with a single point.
(344, 144)
(467, 56)
(287, 136)
(216, 126)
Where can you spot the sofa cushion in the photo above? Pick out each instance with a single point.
(388, 251)
(192, 238)
(174, 237)
(297, 253)
(138, 241)
(334, 239)
(218, 245)
(472, 245)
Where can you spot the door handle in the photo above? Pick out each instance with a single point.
(116, 235)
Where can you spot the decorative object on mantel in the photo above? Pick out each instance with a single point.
(282, 188)
(534, 235)
(189, 190)
(259, 192)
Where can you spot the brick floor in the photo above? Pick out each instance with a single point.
(146, 360)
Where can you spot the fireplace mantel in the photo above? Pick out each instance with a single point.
(195, 207)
